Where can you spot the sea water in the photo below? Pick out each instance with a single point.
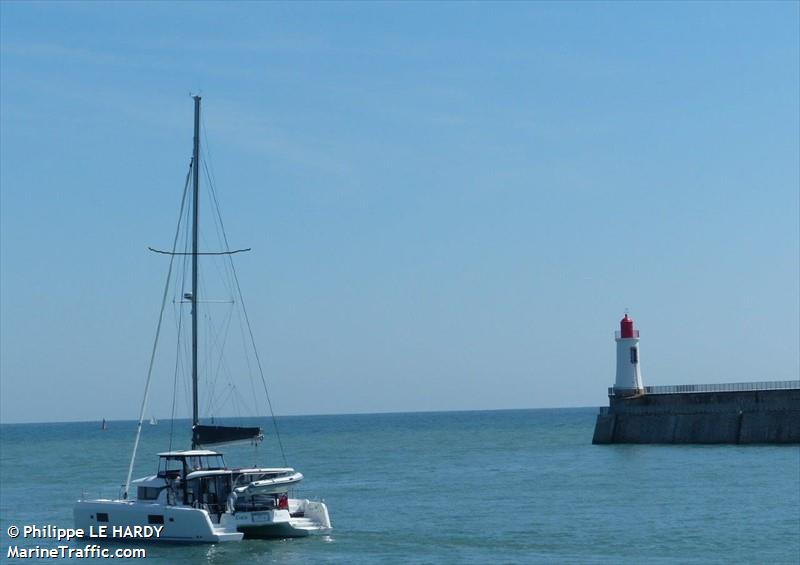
(520, 486)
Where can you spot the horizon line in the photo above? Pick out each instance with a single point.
(387, 412)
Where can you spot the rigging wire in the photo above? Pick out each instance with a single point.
(223, 270)
(155, 341)
(239, 396)
(227, 276)
(221, 363)
(247, 319)
(175, 378)
(177, 298)
(187, 353)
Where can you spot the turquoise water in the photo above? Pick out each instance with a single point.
(522, 486)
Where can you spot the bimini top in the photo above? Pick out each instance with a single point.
(189, 453)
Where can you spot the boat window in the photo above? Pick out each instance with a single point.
(155, 519)
(213, 462)
(195, 463)
(223, 486)
(209, 486)
(192, 488)
(148, 493)
(169, 466)
(102, 517)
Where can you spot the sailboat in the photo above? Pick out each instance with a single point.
(194, 496)
(153, 421)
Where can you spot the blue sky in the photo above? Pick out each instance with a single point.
(450, 205)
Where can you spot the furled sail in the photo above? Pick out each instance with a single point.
(210, 435)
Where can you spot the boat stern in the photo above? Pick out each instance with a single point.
(301, 518)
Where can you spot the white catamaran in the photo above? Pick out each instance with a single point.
(194, 495)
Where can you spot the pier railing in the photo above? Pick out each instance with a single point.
(719, 387)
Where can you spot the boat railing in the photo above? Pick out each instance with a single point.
(302, 494)
(213, 508)
(103, 493)
(254, 506)
(718, 387)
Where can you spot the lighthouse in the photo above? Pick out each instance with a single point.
(734, 413)
(629, 376)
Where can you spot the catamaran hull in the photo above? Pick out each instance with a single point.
(181, 524)
(307, 517)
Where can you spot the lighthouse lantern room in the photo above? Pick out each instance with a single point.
(629, 376)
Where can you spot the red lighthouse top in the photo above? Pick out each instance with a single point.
(626, 327)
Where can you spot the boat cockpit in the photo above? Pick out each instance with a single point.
(178, 464)
(199, 478)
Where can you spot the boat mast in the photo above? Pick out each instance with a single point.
(195, 215)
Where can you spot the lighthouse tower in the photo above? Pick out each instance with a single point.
(629, 377)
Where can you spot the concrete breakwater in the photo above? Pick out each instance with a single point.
(737, 417)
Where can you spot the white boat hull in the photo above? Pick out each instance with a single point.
(182, 524)
(304, 517)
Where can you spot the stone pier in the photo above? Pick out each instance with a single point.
(703, 414)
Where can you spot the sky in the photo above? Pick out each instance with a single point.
(450, 205)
